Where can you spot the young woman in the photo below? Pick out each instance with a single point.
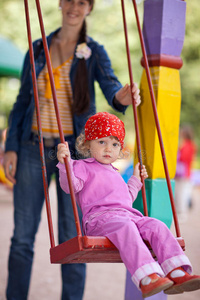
(77, 61)
(106, 203)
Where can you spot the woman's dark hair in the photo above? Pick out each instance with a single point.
(81, 99)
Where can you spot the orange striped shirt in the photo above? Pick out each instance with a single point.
(64, 98)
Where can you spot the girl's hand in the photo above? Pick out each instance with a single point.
(124, 97)
(63, 151)
(137, 173)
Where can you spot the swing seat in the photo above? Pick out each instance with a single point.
(87, 249)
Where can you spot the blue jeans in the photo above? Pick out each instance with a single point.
(28, 202)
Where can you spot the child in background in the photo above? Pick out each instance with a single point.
(106, 203)
(183, 184)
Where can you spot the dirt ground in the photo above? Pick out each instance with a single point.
(104, 281)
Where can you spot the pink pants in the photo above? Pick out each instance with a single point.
(127, 230)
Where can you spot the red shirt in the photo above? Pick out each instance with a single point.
(186, 155)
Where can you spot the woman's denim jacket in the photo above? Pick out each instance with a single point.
(99, 68)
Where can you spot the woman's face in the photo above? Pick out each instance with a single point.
(75, 11)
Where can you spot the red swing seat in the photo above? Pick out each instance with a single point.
(87, 249)
(84, 249)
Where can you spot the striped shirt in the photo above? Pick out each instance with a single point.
(64, 98)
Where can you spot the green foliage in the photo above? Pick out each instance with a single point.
(105, 25)
(190, 86)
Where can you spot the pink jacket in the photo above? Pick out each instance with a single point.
(99, 187)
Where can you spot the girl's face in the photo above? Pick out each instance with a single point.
(105, 150)
(75, 11)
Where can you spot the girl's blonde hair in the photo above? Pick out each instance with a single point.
(82, 147)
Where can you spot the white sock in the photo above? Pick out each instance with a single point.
(146, 280)
(177, 273)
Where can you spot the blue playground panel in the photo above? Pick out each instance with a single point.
(158, 200)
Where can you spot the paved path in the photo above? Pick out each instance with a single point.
(104, 281)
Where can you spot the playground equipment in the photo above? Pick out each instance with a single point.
(89, 248)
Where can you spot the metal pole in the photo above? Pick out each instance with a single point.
(75, 210)
(41, 146)
(157, 121)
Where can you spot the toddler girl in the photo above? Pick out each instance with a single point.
(106, 203)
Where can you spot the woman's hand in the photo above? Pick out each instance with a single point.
(137, 173)
(63, 151)
(10, 165)
(124, 97)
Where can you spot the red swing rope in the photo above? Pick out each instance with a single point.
(154, 110)
(62, 139)
(134, 110)
(48, 61)
(41, 146)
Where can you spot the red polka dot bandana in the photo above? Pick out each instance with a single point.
(102, 125)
